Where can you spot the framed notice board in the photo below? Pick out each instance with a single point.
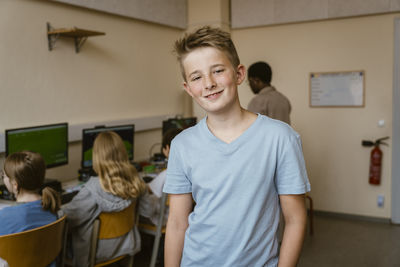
(337, 89)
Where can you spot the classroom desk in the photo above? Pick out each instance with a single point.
(71, 188)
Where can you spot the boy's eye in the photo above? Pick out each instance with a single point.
(219, 70)
(195, 78)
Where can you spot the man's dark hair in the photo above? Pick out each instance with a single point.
(260, 70)
(168, 136)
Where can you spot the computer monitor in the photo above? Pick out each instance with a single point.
(50, 141)
(180, 123)
(89, 135)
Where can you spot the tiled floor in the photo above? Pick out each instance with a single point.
(345, 242)
(337, 242)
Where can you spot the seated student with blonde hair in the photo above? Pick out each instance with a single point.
(23, 175)
(116, 186)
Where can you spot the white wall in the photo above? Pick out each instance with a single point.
(128, 73)
(337, 164)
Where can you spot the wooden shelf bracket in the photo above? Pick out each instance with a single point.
(51, 38)
(79, 36)
(79, 41)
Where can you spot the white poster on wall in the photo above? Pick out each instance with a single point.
(337, 89)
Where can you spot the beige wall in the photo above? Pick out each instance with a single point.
(128, 73)
(337, 163)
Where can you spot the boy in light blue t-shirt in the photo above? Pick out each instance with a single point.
(240, 168)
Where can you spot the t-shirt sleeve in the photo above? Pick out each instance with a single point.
(177, 181)
(291, 174)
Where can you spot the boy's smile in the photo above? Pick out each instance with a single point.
(214, 95)
(212, 80)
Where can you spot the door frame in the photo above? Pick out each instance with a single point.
(396, 126)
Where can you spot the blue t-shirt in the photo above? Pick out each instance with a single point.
(22, 217)
(236, 187)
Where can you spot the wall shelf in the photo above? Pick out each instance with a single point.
(79, 36)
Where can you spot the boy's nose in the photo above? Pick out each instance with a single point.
(209, 83)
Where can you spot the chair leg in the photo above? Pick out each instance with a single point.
(154, 253)
(311, 215)
(130, 261)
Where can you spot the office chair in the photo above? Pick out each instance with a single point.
(37, 247)
(156, 230)
(112, 225)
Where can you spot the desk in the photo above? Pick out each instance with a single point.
(70, 189)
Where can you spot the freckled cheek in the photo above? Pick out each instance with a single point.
(196, 90)
(227, 81)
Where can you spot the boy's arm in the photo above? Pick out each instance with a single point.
(295, 215)
(179, 208)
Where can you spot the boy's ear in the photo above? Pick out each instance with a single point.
(165, 151)
(187, 89)
(240, 73)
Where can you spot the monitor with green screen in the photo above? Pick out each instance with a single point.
(126, 132)
(50, 141)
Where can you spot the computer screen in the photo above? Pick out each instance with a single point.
(180, 123)
(89, 135)
(50, 141)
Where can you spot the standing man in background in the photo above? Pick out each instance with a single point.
(268, 101)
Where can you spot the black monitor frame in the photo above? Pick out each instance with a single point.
(40, 127)
(98, 129)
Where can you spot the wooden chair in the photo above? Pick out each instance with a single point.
(156, 230)
(37, 247)
(112, 225)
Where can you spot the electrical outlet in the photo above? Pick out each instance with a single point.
(380, 201)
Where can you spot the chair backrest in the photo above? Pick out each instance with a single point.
(37, 247)
(111, 225)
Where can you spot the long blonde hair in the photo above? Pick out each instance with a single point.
(111, 163)
(28, 170)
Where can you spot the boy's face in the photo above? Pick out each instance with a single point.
(212, 80)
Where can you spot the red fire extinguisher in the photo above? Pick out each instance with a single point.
(375, 165)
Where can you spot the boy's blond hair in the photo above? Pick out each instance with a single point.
(206, 37)
(111, 162)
